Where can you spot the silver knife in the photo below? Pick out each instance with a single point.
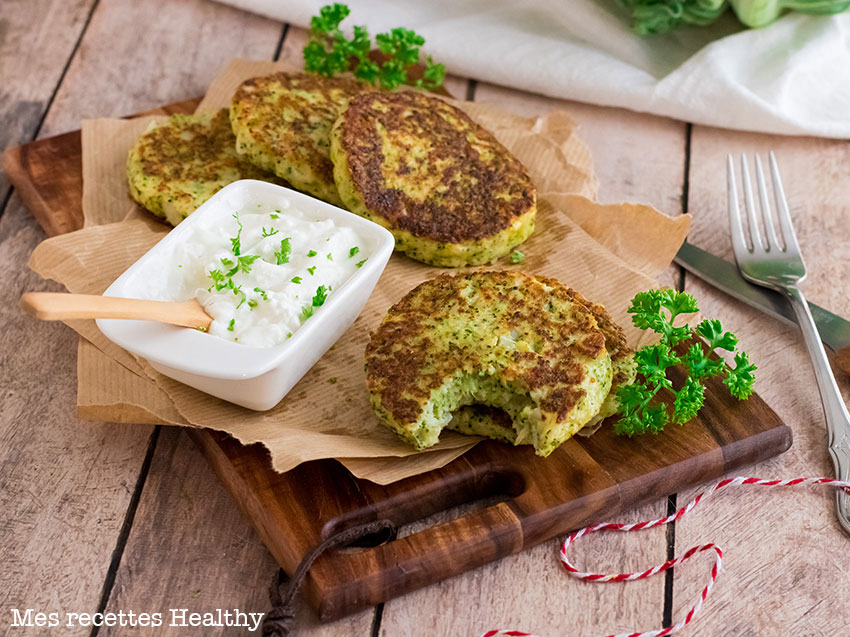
(834, 330)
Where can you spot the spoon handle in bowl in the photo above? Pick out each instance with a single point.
(55, 306)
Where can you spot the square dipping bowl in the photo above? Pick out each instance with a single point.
(253, 377)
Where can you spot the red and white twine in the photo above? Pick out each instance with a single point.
(660, 568)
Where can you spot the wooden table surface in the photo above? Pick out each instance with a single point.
(101, 516)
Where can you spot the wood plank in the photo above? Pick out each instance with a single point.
(639, 158)
(530, 591)
(207, 566)
(784, 571)
(66, 484)
(184, 44)
(32, 57)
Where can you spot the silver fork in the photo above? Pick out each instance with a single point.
(779, 265)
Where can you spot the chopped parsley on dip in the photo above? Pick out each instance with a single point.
(256, 273)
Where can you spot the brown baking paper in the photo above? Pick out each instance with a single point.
(607, 252)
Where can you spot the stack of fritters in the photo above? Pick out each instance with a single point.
(536, 352)
(448, 191)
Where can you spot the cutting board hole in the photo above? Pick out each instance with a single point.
(455, 512)
(433, 509)
(370, 541)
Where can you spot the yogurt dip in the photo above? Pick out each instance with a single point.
(262, 273)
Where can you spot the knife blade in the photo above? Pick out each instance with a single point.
(834, 330)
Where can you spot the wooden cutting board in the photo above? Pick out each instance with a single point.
(522, 500)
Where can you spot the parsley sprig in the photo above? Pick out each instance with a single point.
(656, 310)
(329, 52)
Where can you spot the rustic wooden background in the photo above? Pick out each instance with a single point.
(103, 516)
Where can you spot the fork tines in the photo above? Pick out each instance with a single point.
(752, 241)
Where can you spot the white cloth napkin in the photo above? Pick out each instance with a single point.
(792, 77)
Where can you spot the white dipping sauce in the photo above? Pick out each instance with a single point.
(262, 283)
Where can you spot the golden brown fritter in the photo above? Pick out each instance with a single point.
(283, 121)
(516, 342)
(177, 165)
(622, 357)
(494, 423)
(448, 191)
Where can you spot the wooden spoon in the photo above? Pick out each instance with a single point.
(57, 306)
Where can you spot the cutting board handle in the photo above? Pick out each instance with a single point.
(425, 557)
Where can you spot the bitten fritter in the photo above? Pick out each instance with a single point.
(519, 343)
(177, 165)
(282, 124)
(448, 191)
(622, 357)
(480, 420)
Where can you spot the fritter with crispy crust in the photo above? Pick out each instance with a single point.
(177, 165)
(480, 420)
(283, 121)
(516, 342)
(622, 358)
(448, 191)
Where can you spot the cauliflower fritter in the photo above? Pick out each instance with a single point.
(282, 124)
(177, 165)
(523, 344)
(448, 191)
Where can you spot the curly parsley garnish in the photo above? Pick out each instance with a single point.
(353, 251)
(656, 310)
(329, 52)
(359, 264)
(517, 257)
(272, 231)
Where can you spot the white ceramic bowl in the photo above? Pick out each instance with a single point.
(254, 377)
